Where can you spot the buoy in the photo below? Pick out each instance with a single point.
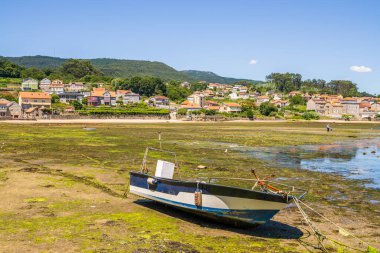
(152, 181)
(198, 198)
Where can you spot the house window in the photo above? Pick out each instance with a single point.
(43, 101)
(35, 101)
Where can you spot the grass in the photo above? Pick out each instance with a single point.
(72, 184)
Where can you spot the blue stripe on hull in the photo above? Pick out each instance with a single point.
(251, 216)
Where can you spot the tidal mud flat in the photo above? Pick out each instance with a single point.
(64, 187)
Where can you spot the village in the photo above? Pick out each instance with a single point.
(36, 99)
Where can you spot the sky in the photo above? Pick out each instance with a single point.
(327, 39)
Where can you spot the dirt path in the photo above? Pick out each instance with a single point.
(152, 121)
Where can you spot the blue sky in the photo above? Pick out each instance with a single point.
(332, 39)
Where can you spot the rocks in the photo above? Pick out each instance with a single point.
(200, 167)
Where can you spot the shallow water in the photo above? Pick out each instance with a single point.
(355, 159)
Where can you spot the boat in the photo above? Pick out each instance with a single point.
(223, 203)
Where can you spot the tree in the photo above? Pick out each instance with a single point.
(54, 98)
(77, 105)
(84, 101)
(297, 100)
(250, 114)
(33, 73)
(9, 69)
(79, 68)
(8, 96)
(318, 84)
(344, 87)
(267, 108)
(177, 93)
(248, 105)
(285, 82)
(198, 86)
(146, 86)
(310, 115)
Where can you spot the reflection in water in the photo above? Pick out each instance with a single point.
(358, 159)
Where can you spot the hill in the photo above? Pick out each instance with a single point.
(37, 61)
(214, 78)
(128, 68)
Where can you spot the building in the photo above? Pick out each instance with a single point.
(281, 103)
(197, 98)
(34, 99)
(9, 109)
(189, 106)
(233, 96)
(45, 84)
(56, 88)
(294, 93)
(351, 106)
(68, 97)
(159, 101)
(230, 108)
(29, 84)
(262, 99)
(317, 105)
(100, 96)
(333, 109)
(211, 105)
(75, 87)
(127, 96)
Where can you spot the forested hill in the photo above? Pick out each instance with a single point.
(127, 68)
(110, 67)
(214, 78)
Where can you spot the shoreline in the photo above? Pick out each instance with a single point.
(152, 121)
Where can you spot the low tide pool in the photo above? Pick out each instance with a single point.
(355, 159)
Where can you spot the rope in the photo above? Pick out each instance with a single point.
(320, 237)
(327, 219)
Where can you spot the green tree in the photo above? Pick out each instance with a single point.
(33, 73)
(177, 93)
(79, 68)
(310, 115)
(54, 98)
(285, 82)
(84, 101)
(8, 97)
(77, 105)
(146, 86)
(198, 86)
(267, 108)
(250, 114)
(344, 87)
(297, 100)
(9, 69)
(314, 84)
(248, 105)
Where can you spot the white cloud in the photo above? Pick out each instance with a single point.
(360, 69)
(253, 61)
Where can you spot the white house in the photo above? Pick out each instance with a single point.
(127, 96)
(230, 108)
(45, 84)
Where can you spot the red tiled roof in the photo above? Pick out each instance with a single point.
(232, 104)
(25, 94)
(123, 91)
(364, 105)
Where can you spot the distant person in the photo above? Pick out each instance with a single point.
(328, 128)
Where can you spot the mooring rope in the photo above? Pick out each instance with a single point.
(320, 237)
